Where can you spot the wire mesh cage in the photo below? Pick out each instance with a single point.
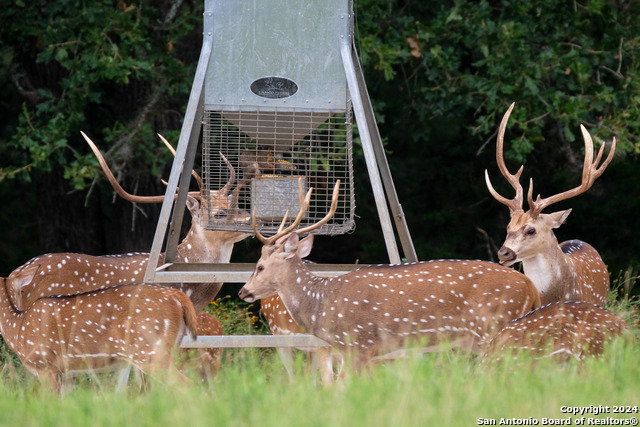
(274, 154)
(276, 106)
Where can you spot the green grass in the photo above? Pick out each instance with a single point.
(252, 389)
(449, 389)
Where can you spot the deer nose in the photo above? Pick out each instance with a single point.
(246, 295)
(506, 254)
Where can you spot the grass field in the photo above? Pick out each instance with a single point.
(444, 389)
(252, 389)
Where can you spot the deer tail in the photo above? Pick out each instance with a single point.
(188, 313)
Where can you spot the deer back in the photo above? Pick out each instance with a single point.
(62, 274)
(561, 330)
(98, 331)
(462, 302)
(591, 274)
(378, 308)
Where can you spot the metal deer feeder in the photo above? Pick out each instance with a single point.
(277, 86)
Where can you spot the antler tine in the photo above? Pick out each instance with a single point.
(259, 235)
(195, 174)
(304, 205)
(590, 172)
(514, 204)
(232, 176)
(332, 210)
(235, 195)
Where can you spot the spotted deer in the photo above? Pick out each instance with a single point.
(376, 310)
(572, 270)
(562, 330)
(68, 273)
(62, 274)
(100, 331)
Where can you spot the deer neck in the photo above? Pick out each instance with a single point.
(304, 294)
(549, 270)
(202, 245)
(205, 246)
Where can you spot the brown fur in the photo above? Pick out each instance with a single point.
(281, 323)
(562, 330)
(377, 310)
(105, 330)
(576, 274)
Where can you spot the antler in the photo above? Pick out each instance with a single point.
(514, 204)
(117, 187)
(327, 217)
(589, 174)
(304, 205)
(157, 199)
(232, 175)
(194, 174)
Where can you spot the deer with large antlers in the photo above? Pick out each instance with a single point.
(572, 270)
(376, 310)
(562, 331)
(101, 331)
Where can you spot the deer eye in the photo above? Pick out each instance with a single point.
(220, 215)
(531, 231)
(259, 268)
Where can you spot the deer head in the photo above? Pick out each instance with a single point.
(530, 236)
(200, 245)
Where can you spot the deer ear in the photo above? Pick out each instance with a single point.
(304, 248)
(558, 218)
(193, 205)
(290, 246)
(23, 278)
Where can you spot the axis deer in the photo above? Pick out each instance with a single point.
(101, 331)
(281, 323)
(68, 274)
(560, 330)
(572, 270)
(200, 244)
(376, 310)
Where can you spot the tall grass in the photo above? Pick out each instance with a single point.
(448, 389)
(252, 388)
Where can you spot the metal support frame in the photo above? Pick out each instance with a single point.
(379, 173)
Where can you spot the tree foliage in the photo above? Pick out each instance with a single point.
(105, 65)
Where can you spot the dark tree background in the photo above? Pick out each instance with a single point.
(440, 73)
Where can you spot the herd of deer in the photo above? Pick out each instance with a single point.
(65, 314)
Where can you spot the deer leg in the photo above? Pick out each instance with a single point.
(327, 364)
(286, 355)
(123, 378)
